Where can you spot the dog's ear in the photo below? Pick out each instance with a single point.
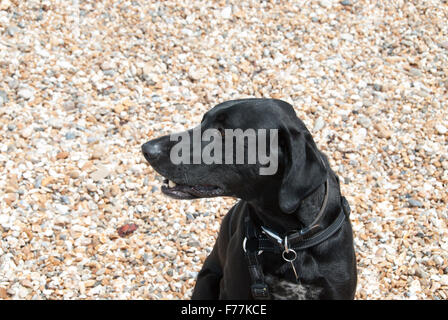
(304, 170)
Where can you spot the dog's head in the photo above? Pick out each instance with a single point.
(247, 149)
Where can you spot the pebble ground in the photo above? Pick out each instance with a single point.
(84, 83)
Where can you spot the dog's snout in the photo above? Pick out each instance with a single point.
(151, 150)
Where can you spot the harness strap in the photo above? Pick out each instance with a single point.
(259, 289)
(255, 242)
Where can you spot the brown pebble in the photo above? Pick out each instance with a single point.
(89, 283)
(97, 153)
(47, 180)
(27, 283)
(10, 198)
(380, 252)
(114, 190)
(383, 132)
(3, 293)
(127, 229)
(87, 166)
(91, 187)
(118, 108)
(28, 233)
(62, 155)
(10, 189)
(74, 174)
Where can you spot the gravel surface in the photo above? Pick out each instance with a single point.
(84, 83)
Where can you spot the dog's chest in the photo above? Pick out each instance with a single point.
(282, 289)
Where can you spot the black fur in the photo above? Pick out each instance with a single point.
(285, 201)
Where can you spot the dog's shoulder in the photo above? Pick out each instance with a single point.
(234, 217)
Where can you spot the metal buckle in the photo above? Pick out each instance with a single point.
(291, 259)
(288, 250)
(272, 235)
(244, 246)
(260, 291)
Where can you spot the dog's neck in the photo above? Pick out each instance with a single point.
(270, 215)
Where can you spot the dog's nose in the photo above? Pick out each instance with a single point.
(151, 150)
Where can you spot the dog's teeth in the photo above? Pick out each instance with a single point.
(171, 184)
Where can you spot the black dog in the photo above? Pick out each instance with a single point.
(289, 237)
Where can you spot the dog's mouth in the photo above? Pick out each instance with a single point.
(183, 191)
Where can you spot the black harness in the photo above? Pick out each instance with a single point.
(261, 239)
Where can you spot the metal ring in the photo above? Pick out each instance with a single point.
(287, 251)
